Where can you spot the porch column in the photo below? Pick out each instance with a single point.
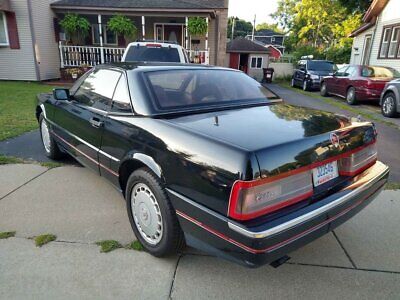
(100, 26)
(143, 27)
(186, 33)
(206, 44)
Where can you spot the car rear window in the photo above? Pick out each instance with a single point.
(185, 89)
(381, 72)
(157, 54)
(320, 66)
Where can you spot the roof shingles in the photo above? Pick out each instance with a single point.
(244, 45)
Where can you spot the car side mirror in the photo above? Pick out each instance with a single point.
(61, 94)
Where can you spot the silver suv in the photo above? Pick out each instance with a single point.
(390, 99)
(155, 51)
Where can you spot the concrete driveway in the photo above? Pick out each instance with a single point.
(360, 260)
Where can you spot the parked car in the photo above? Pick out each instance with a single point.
(390, 99)
(154, 51)
(308, 73)
(209, 157)
(356, 82)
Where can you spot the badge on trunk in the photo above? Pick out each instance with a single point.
(335, 140)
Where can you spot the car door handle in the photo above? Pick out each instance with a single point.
(96, 122)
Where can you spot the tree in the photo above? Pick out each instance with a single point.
(352, 6)
(266, 26)
(242, 27)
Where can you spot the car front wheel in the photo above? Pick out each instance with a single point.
(305, 86)
(49, 144)
(151, 214)
(389, 105)
(324, 90)
(351, 96)
(292, 83)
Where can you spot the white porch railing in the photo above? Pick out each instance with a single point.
(199, 56)
(75, 56)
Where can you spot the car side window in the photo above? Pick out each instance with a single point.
(121, 100)
(352, 71)
(97, 89)
(342, 71)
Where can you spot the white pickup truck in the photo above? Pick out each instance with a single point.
(155, 51)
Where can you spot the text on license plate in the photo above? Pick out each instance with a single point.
(325, 173)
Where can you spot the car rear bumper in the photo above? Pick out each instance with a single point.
(265, 243)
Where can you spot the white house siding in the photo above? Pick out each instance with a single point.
(390, 15)
(357, 53)
(47, 52)
(19, 64)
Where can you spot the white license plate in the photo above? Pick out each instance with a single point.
(325, 173)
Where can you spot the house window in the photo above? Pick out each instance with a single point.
(367, 49)
(109, 37)
(394, 42)
(385, 42)
(256, 62)
(3, 30)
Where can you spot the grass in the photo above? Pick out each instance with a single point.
(44, 239)
(108, 245)
(4, 160)
(51, 164)
(136, 245)
(17, 107)
(392, 186)
(340, 105)
(6, 234)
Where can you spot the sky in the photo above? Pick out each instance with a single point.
(246, 9)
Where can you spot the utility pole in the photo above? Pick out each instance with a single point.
(254, 28)
(233, 27)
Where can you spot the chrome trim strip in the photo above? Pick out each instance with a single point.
(384, 170)
(84, 142)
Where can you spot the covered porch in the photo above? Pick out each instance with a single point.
(102, 45)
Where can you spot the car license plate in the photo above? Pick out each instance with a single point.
(325, 173)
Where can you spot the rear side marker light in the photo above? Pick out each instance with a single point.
(250, 199)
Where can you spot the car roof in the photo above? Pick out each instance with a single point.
(156, 66)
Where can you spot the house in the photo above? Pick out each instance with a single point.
(377, 41)
(34, 47)
(248, 56)
(270, 39)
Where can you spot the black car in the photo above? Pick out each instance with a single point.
(308, 73)
(209, 157)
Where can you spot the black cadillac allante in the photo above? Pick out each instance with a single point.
(208, 157)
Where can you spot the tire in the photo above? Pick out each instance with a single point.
(305, 86)
(152, 217)
(50, 146)
(388, 107)
(351, 96)
(292, 83)
(324, 90)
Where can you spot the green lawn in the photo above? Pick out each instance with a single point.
(17, 107)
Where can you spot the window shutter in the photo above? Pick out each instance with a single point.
(12, 30)
(57, 30)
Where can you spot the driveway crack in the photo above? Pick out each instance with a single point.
(345, 251)
(173, 278)
(29, 181)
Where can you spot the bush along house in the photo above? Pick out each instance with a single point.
(44, 39)
(377, 41)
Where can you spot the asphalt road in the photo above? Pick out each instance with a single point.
(389, 137)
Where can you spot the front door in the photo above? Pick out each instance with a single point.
(173, 33)
(80, 120)
(234, 60)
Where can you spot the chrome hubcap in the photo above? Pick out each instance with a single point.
(44, 129)
(350, 95)
(388, 105)
(304, 85)
(323, 88)
(146, 213)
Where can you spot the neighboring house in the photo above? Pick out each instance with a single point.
(248, 56)
(270, 39)
(28, 50)
(43, 51)
(377, 41)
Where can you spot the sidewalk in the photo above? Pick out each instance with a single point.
(360, 260)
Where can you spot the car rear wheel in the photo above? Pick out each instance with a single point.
(151, 214)
(324, 90)
(305, 86)
(292, 83)
(351, 96)
(49, 144)
(388, 106)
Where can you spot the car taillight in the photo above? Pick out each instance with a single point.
(358, 161)
(250, 199)
(153, 45)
